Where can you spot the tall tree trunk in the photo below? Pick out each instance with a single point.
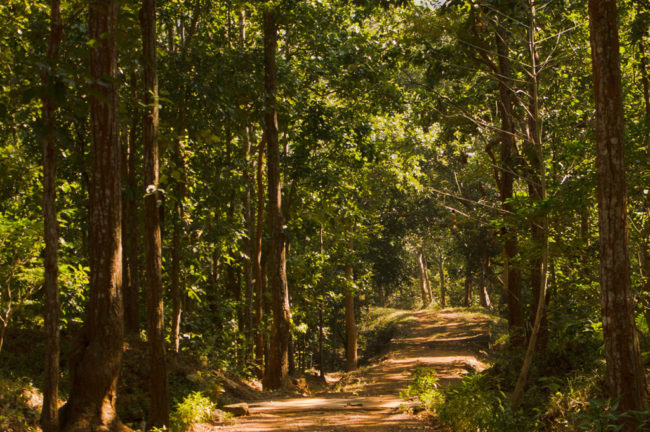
(130, 279)
(321, 338)
(645, 244)
(443, 287)
(625, 373)
(176, 284)
(484, 296)
(96, 358)
(249, 246)
(425, 289)
(537, 187)
(257, 263)
(539, 269)
(249, 215)
(350, 325)
(158, 387)
(468, 284)
(512, 275)
(49, 414)
(278, 369)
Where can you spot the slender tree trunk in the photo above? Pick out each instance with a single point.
(249, 246)
(512, 275)
(257, 263)
(350, 325)
(249, 215)
(158, 387)
(468, 284)
(625, 373)
(96, 358)
(278, 369)
(539, 269)
(484, 296)
(537, 187)
(443, 288)
(321, 337)
(424, 279)
(177, 247)
(321, 330)
(130, 277)
(49, 414)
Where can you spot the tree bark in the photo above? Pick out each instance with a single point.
(278, 369)
(443, 288)
(249, 246)
(96, 358)
(257, 263)
(176, 280)
(625, 374)
(130, 279)
(158, 387)
(484, 296)
(539, 225)
(350, 325)
(49, 414)
(512, 275)
(468, 284)
(645, 243)
(425, 289)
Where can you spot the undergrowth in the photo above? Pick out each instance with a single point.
(566, 388)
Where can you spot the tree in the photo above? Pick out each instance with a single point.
(158, 388)
(49, 414)
(625, 372)
(278, 368)
(97, 355)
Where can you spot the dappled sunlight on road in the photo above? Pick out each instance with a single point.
(448, 341)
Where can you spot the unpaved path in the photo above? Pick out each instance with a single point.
(448, 341)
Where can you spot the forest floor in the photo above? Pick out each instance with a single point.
(452, 342)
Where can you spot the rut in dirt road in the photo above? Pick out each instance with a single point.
(449, 341)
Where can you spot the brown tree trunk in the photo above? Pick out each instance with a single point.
(249, 215)
(425, 289)
(537, 187)
(257, 263)
(49, 414)
(468, 285)
(512, 275)
(484, 296)
(645, 244)
(350, 325)
(158, 387)
(443, 288)
(249, 246)
(130, 279)
(539, 269)
(176, 281)
(96, 358)
(278, 369)
(625, 373)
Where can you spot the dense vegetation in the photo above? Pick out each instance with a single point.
(234, 184)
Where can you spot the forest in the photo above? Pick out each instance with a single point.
(324, 215)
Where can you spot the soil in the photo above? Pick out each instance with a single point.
(451, 342)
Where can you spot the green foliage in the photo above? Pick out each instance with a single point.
(477, 404)
(425, 387)
(603, 416)
(195, 408)
(18, 411)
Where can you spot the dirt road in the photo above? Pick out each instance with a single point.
(448, 341)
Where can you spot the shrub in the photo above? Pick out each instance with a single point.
(425, 388)
(602, 416)
(195, 408)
